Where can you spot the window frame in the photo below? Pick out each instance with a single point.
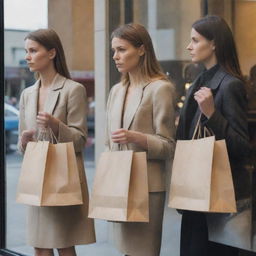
(2, 145)
(3, 216)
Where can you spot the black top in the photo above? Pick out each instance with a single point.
(202, 81)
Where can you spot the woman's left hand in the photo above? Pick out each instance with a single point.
(123, 136)
(205, 101)
(45, 120)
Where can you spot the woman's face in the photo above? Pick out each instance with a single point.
(37, 56)
(201, 49)
(126, 56)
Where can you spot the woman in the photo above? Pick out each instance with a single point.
(140, 117)
(219, 94)
(58, 103)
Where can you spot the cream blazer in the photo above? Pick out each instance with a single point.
(66, 101)
(151, 111)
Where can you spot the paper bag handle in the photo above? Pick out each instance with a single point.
(42, 134)
(197, 132)
(119, 146)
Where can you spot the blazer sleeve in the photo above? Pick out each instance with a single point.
(231, 123)
(75, 128)
(21, 121)
(161, 144)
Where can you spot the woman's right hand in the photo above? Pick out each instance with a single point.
(26, 136)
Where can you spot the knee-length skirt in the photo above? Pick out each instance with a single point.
(61, 226)
(142, 239)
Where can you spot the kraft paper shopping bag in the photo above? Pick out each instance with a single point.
(201, 176)
(120, 189)
(49, 175)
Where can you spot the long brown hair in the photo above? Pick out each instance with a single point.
(137, 35)
(215, 28)
(50, 40)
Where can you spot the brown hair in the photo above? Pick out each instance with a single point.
(50, 40)
(137, 35)
(213, 27)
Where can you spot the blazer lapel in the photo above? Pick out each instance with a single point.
(32, 106)
(217, 79)
(117, 108)
(132, 107)
(52, 98)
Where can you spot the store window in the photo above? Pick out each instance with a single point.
(169, 24)
(20, 17)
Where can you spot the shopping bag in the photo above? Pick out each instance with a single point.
(49, 175)
(120, 189)
(233, 229)
(201, 176)
(237, 229)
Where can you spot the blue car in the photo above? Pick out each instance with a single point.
(11, 124)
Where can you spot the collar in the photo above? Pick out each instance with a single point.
(208, 74)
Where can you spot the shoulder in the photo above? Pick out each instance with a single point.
(116, 88)
(161, 86)
(232, 84)
(31, 89)
(72, 83)
(72, 87)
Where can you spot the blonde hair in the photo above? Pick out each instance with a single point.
(50, 40)
(137, 35)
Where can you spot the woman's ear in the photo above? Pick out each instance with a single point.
(52, 53)
(141, 50)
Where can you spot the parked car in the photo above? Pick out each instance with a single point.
(11, 124)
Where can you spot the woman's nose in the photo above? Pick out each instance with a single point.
(27, 56)
(189, 46)
(115, 56)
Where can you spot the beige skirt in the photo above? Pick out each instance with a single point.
(62, 226)
(142, 239)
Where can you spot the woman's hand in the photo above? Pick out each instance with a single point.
(123, 136)
(45, 120)
(205, 101)
(26, 136)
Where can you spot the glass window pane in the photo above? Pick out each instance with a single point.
(20, 17)
(169, 24)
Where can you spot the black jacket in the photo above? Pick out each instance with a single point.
(228, 122)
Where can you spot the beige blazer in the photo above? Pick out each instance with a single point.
(151, 111)
(66, 101)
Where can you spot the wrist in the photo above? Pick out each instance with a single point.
(210, 114)
(138, 137)
(54, 123)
